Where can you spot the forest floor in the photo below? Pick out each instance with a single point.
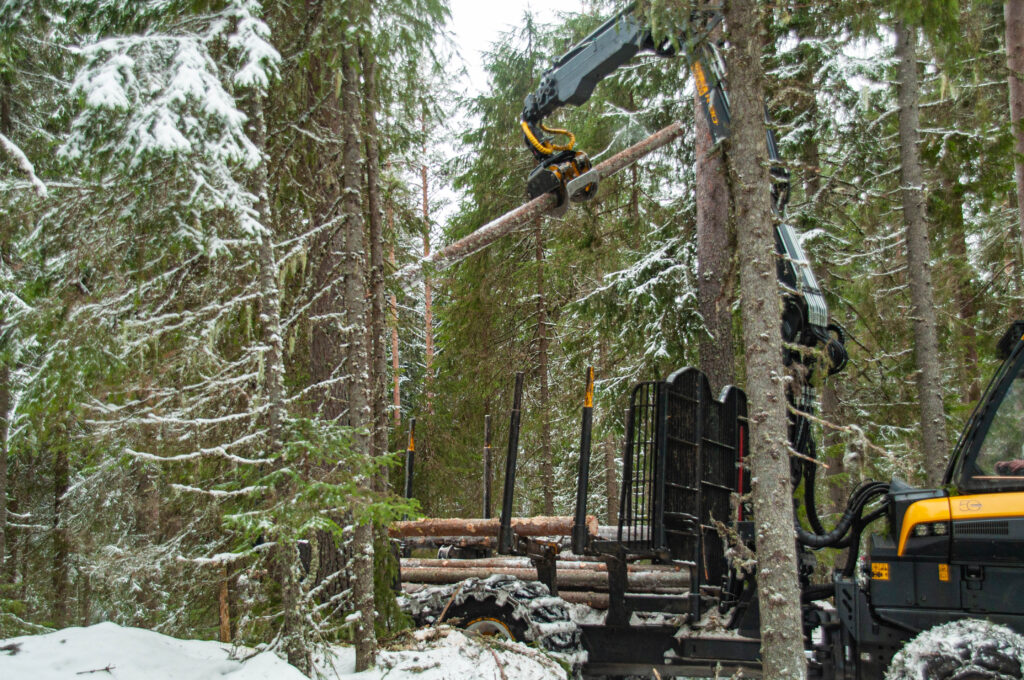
(107, 650)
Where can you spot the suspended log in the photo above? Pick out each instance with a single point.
(524, 563)
(642, 581)
(524, 214)
(521, 526)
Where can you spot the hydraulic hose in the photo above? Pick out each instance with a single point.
(858, 500)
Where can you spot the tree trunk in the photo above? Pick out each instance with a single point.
(714, 281)
(61, 478)
(926, 344)
(395, 366)
(547, 467)
(782, 649)
(378, 357)
(358, 364)
(5, 415)
(963, 293)
(611, 481)
(1013, 11)
(428, 310)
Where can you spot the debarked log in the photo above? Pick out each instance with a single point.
(521, 526)
(591, 579)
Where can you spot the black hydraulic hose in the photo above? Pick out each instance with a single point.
(858, 529)
(854, 508)
(817, 592)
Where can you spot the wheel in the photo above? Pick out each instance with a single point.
(523, 611)
(969, 649)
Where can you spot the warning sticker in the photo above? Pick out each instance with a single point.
(880, 571)
(943, 572)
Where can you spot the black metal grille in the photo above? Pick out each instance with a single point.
(637, 496)
(682, 465)
(982, 528)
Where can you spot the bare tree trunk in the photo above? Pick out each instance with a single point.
(782, 649)
(395, 365)
(358, 364)
(5, 415)
(428, 311)
(377, 355)
(223, 609)
(1013, 11)
(547, 468)
(714, 280)
(963, 294)
(61, 478)
(926, 344)
(611, 480)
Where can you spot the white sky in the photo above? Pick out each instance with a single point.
(476, 25)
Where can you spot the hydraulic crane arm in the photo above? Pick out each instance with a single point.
(566, 172)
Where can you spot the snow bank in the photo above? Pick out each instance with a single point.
(130, 654)
(107, 650)
(448, 654)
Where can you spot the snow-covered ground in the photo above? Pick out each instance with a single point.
(107, 650)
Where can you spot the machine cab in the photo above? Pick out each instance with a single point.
(989, 458)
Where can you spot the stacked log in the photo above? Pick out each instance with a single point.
(571, 574)
(521, 526)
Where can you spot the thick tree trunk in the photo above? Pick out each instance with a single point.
(926, 344)
(1013, 11)
(547, 466)
(782, 649)
(714, 281)
(358, 364)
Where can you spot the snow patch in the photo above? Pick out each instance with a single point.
(132, 654)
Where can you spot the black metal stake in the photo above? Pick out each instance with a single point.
(410, 459)
(487, 467)
(506, 545)
(580, 536)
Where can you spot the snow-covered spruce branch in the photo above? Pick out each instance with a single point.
(214, 452)
(24, 165)
(220, 493)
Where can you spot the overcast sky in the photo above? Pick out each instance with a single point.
(476, 25)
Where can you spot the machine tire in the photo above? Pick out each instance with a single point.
(523, 610)
(968, 649)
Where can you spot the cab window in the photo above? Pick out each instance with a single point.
(1001, 455)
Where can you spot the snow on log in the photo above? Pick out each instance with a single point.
(524, 214)
(641, 581)
(521, 526)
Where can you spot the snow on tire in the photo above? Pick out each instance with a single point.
(525, 609)
(968, 649)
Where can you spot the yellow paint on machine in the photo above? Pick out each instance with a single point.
(980, 506)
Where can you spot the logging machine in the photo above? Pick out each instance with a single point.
(942, 556)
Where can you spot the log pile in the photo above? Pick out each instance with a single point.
(521, 526)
